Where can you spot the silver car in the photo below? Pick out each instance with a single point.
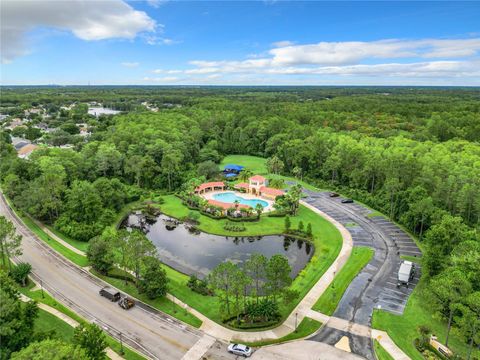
(240, 349)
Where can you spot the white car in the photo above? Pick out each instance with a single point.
(240, 349)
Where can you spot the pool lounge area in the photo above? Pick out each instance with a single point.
(244, 198)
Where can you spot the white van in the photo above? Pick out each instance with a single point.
(406, 273)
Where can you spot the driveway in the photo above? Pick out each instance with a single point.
(375, 285)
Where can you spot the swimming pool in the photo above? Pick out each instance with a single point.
(230, 197)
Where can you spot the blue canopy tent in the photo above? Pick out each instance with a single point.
(232, 170)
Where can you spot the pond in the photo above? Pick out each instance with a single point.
(194, 252)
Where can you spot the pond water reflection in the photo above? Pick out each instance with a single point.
(194, 252)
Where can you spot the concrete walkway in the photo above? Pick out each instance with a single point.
(303, 309)
(73, 323)
(200, 348)
(388, 344)
(214, 330)
(57, 238)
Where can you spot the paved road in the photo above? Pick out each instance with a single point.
(375, 285)
(156, 335)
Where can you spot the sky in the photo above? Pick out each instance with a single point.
(155, 42)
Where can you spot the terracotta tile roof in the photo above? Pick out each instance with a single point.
(225, 205)
(257, 178)
(271, 191)
(210, 185)
(27, 149)
(242, 186)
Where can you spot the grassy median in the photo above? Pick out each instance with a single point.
(328, 302)
(380, 352)
(306, 327)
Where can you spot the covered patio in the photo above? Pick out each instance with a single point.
(210, 186)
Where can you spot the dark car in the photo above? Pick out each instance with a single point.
(111, 294)
(347, 201)
(126, 303)
(333, 194)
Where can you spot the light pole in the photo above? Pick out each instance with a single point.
(296, 320)
(41, 288)
(121, 344)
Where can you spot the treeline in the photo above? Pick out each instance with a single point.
(21, 337)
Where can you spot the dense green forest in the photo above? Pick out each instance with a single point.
(412, 153)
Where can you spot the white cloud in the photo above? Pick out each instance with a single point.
(351, 52)
(400, 59)
(130, 64)
(87, 20)
(159, 40)
(156, 3)
(282, 43)
(161, 71)
(166, 79)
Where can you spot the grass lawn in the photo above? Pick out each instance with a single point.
(48, 300)
(255, 164)
(381, 353)
(414, 259)
(258, 166)
(80, 245)
(327, 242)
(46, 322)
(329, 300)
(403, 329)
(307, 327)
(162, 304)
(55, 245)
(69, 254)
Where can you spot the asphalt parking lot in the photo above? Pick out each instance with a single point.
(375, 286)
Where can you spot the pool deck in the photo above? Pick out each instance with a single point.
(210, 196)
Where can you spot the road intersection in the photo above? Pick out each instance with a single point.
(159, 336)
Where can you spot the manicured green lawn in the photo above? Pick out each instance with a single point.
(403, 329)
(48, 300)
(162, 304)
(69, 254)
(307, 327)
(46, 322)
(255, 164)
(258, 166)
(381, 353)
(327, 243)
(329, 300)
(80, 245)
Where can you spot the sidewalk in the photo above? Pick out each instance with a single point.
(301, 310)
(73, 323)
(57, 238)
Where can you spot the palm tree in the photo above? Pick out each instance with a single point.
(259, 209)
(245, 174)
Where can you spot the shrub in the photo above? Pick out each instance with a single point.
(199, 286)
(234, 227)
(263, 311)
(20, 273)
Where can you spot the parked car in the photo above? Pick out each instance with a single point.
(347, 201)
(333, 194)
(126, 303)
(111, 294)
(406, 273)
(240, 349)
(442, 349)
